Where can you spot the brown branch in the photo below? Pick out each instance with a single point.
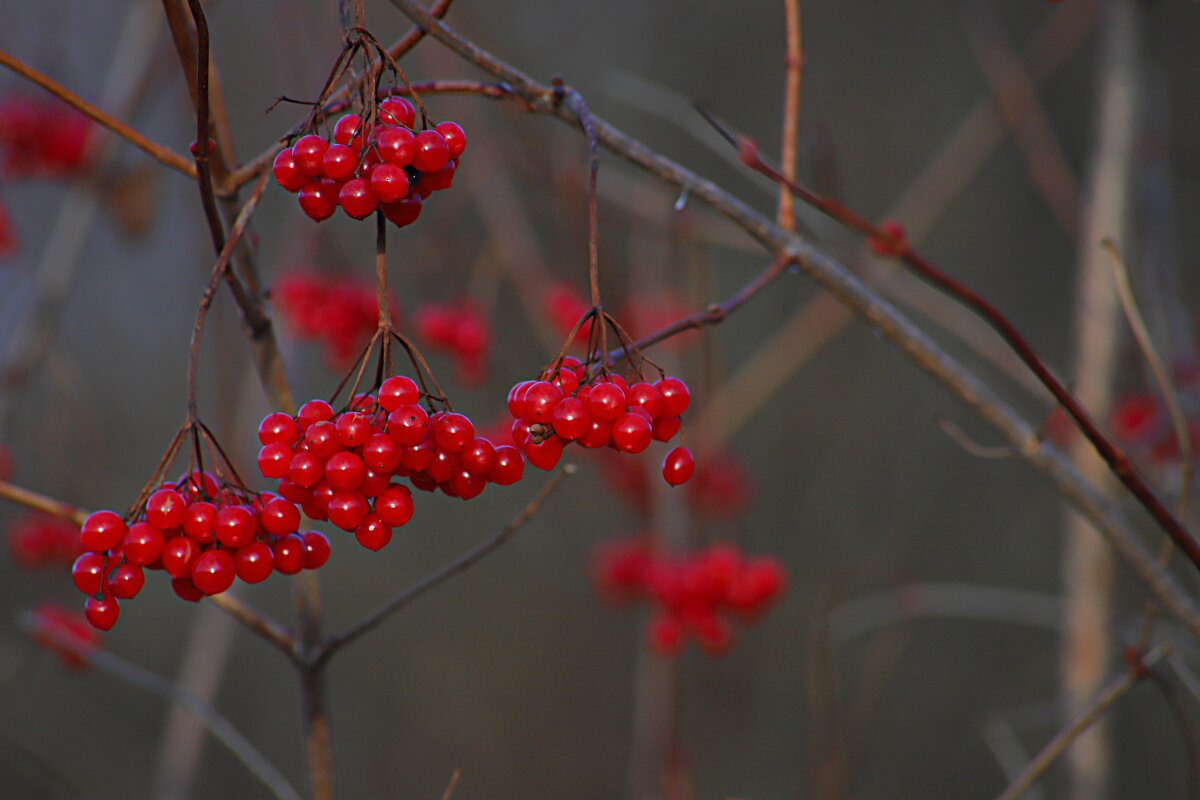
(40, 502)
(433, 580)
(156, 151)
(257, 622)
(1080, 725)
(834, 277)
(793, 83)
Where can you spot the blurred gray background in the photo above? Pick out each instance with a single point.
(516, 672)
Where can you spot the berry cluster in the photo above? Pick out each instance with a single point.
(340, 466)
(38, 540)
(389, 166)
(203, 533)
(461, 330)
(607, 412)
(41, 138)
(339, 311)
(696, 595)
(64, 632)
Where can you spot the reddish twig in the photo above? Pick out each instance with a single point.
(163, 155)
(40, 502)
(793, 84)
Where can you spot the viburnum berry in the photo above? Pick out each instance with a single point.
(254, 562)
(144, 542)
(357, 198)
(126, 581)
(373, 533)
(397, 111)
(102, 531)
(346, 131)
(678, 466)
(213, 572)
(102, 612)
(339, 163)
(432, 151)
(88, 573)
(308, 153)
(287, 173)
(316, 549)
(456, 138)
(290, 554)
(319, 198)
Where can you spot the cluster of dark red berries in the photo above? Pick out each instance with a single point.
(390, 166)
(64, 632)
(607, 412)
(202, 533)
(460, 330)
(340, 466)
(41, 138)
(336, 310)
(696, 595)
(37, 540)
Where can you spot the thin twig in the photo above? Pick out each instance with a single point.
(1067, 736)
(162, 154)
(42, 503)
(793, 83)
(257, 622)
(220, 727)
(434, 579)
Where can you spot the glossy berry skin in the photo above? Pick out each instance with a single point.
(143, 544)
(571, 419)
(312, 412)
(631, 433)
(308, 153)
(102, 531)
(287, 173)
(339, 163)
(599, 434)
(545, 454)
(397, 111)
(381, 453)
(345, 471)
(186, 590)
(606, 401)
(347, 510)
(236, 526)
(665, 428)
(540, 400)
(479, 457)
(316, 549)
(646, 397)
(442, 179)
(178, 555)
(456, 138)
(676, 397)
(290, 554)
(213, 572)
(102, 613)
(408, 424)
(418, 457)
(254, 563)
(396, 146)
(516, 398)
(432, 151)
(353, 429)
(405, 212)
(306, 469)
(273, 460)
(678, 466)
(322, 439)
(279, 517)
(344, 131)
(394, 506)
(397, 391)
(373, 534)
(126, 581)
(319, 199)
(509, 467)
(389, 183)
(453, 432)
(88, 573)
(166, 509)
(357, 199)
(278, 427)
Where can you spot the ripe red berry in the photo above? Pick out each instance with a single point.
(306, 469)
(540, 400)
(126, 581)
(273, 460)
(102, 612)
(348, 509)
(408, 424)
(319, 198)
(389, 183)
(279, 517)
(405, 212)
(453, 432)
(166, 509)
(381, 453)
(373, 533)
(198, 522)
(675, 396)
(287, 173)
(345, 471)
(398, 390)
(606, 401)
(479, 457)
(631, 433)
(290, 554)
(397, 111)
(646, 397)
(396, 146)
(322, 439)
(308, 152)
(665, 428)
(456, 138)
(88, 573)
(178, 555)
(144, 543)
(418, 457)
(236, 526)
(278, 427)
(254, 563)
(442, 179)
(509, 467)
(102, 531)
(312, 412)
(339, 163)
(213, 572)
(345, 130)
(185, 589)
(571, 419)
(432, 151)
(544, 454)
(316, 549)
(357, 199)
(394, 506)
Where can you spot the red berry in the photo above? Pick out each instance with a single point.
(290, 553)
(665, 428)
(675, 396)
(287, 173)
(339, 163)
(178, 555)
(398, 390)
(408, 424)
(456, 139)
(396, 146)
(418, 457)
(316, 549)
(319, 199)
(213, 572)
(442, 179)
(144, 543)
(432, 151)
(571, 419)
(509, 467)
(375, 482)
(279, 517)
(102, 531)
(465, 486)
(666, 634)
(198, 523)
(405, 212)
(373, 533)
(381, 453)
(678, 466)
(631, 433)
(322, 439)
(444, 466)
(540, 400)
(184, 588)
(166, 509)
(345, 471)
(353, 429)
(544, 454)
(346, 128)
(389, 183)
(453, 432)
(397, 111)
(278, 427)
(646, 397)
(236, 526)
(347, 509)
(102, 612)
(254, 563)
(516, 398)
(357, 199)
(479, 457)
(88, 573)
(306, 469)
(312, 412)
(273, 460)
(308, 152)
